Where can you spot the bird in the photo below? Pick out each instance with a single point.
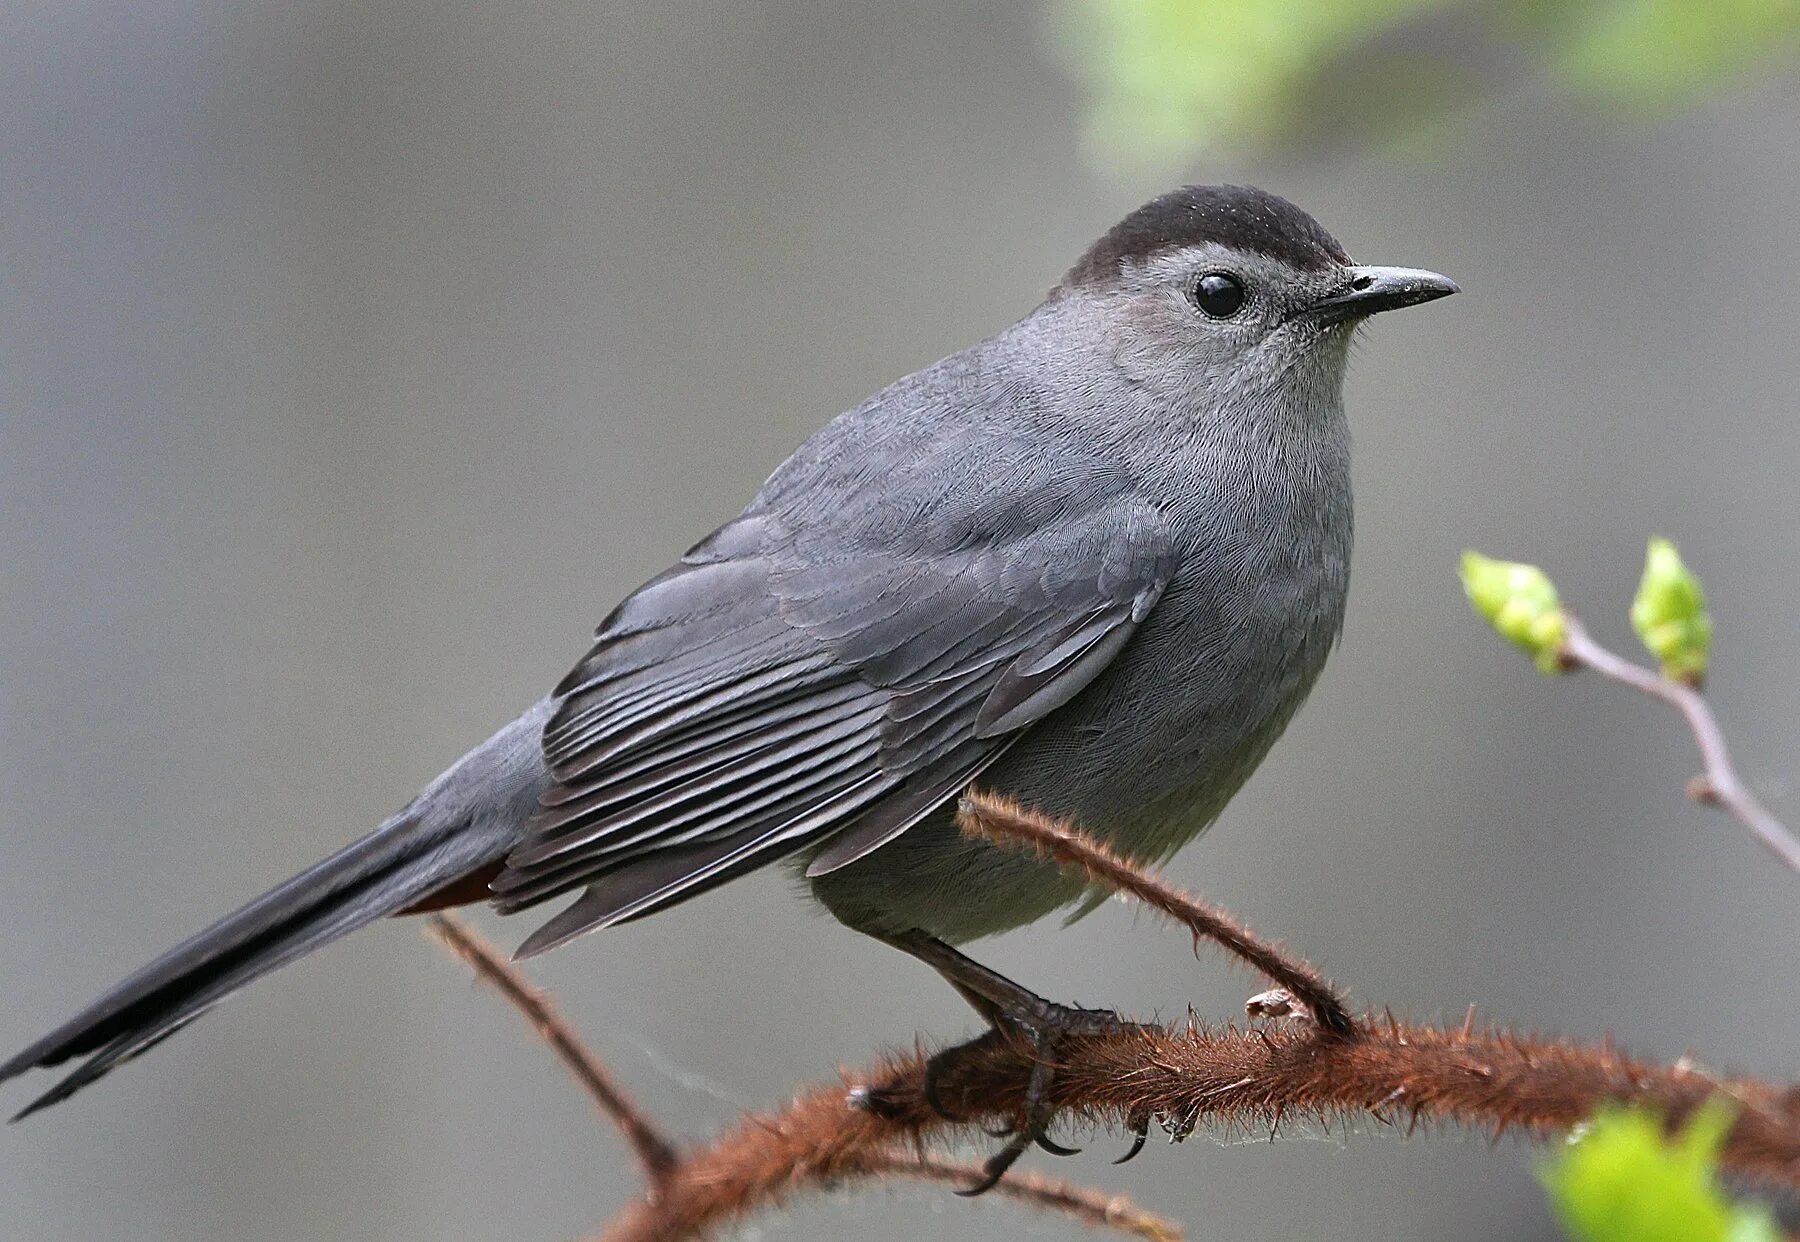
(1094, 563)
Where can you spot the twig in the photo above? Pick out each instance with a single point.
(662, 1159)
(656, 1153)
(821, 1140)
(1217, 1076)
(1719, 785)
(1090, 1207)
(875, 1124)
(1008, 824)
(1248, 1080)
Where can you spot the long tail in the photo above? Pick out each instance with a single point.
(463, 823)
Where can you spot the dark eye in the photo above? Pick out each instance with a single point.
(1219, 294)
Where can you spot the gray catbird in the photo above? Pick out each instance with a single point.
(1094, 562)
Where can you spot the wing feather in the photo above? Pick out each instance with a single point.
(779, 692)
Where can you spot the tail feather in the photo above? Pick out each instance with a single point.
(464, 822)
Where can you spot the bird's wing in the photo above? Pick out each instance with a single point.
(778, 688)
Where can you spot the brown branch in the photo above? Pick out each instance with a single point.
(1094, 1208)
(661, 1159)
(1248, 1080)
(875, 1125)
(1006, 823)
(1719, 785)
(656, 1153)
(822, 1140)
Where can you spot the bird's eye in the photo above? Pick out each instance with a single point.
(1219, 294)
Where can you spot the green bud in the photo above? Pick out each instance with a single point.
(1670, 615)
(1520, 602)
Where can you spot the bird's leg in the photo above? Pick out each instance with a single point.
(1009, 1008)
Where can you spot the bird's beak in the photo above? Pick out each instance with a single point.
(1371, 290)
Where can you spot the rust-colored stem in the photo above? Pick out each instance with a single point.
(1332, 1066)
(662, 1160)
(1221, 1077)
(1008, 824)
(1095, 1208)
(655, 1152)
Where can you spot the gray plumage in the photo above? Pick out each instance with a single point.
(1094, 562)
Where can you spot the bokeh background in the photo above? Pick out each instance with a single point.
(356, 358)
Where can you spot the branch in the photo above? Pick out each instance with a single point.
(1006, 823)
(1328, 1067)
(1719, 785)
(662, 1160)
(1094, 1208)
(1222, 1077)
(819, 1141)
(655, 1152)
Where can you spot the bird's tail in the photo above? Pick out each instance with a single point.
(463, 824)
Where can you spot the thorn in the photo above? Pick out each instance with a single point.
(1468, 1026)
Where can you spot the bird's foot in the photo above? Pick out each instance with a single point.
(1046, 1028)
(1014, 1014)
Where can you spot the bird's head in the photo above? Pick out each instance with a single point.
(1233, 286)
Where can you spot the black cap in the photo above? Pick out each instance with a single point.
(1240, 216)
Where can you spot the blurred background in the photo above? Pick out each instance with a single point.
(356, 358)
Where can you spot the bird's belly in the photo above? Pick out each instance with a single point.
(934, 879)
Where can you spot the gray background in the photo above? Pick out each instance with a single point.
(355, 359)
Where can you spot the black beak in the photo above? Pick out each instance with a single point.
(1371, 290)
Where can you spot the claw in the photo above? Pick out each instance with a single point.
(996, 1166)
(1034, 1120)
(1140, 1132)
(1014, 1015)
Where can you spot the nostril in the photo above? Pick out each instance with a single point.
(1362, 282)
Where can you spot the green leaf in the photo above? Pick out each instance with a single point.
(1169, 79)
(1623, 1179)
(1659, 54)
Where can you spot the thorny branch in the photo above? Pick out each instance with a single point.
(1090, 1207)
(1326, 1066)
(1719, 784)
(1006, 823)
(664, 1163)
(1251, 1080)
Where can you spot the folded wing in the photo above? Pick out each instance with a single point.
(774, 692)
